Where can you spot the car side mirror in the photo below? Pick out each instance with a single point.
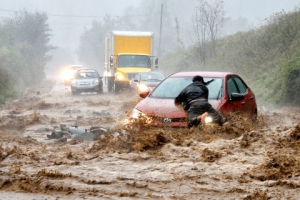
(156, 63)
(144, 94)
(236, 97)
(111, 61)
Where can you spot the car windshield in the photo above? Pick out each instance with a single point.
(152, 77)
(171, 87)
(86, 75)
(134, 61)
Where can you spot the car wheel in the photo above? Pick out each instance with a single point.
(100, 91)
(254, 119)
(74, 92)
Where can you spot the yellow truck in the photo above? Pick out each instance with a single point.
(127, 53)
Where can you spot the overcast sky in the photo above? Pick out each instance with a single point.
(67, 18)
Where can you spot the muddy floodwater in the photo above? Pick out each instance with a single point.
(240, 161)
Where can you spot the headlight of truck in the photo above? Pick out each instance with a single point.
(120, 77)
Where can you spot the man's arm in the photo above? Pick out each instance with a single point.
(180, 98)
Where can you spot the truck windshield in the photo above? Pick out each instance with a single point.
(134, 61)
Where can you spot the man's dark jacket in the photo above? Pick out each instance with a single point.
(195, 90)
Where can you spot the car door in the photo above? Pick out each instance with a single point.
(231, 88)
(248, 96)
(235, 85)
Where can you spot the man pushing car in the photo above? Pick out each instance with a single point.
(194, 100)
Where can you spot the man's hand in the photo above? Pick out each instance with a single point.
(178, 104)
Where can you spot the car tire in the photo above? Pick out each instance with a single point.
(74, 92)
(100, 91)
(254, 119)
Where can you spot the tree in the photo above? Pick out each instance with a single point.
(91, 45)
(24, 44)
(207, 23)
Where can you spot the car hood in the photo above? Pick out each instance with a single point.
(87, 80)
(165, 108)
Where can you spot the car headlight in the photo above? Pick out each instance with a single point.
(208, 119)
(95, 82)
(136, 113)
(143, 88)
(139, 116)
(67, 75)
(73, 83)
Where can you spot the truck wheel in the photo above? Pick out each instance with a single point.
(117, 88)
(110, 85)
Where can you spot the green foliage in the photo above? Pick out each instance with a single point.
(268, 58)
(23, 52)
(91, 46)
(289, 83)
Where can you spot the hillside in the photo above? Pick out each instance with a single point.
(267, 57)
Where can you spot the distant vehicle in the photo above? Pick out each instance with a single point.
(86, 80)
(227, 93)
(69, 72)
(126, 54)
(145, 81)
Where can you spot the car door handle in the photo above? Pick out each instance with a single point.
(243, 102)
(252, 97)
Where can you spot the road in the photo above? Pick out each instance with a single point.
(241, 161)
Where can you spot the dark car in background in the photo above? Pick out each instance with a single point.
(228, 93)
(146, 81)
(86, 80)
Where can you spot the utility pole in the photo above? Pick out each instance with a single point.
(160, 30)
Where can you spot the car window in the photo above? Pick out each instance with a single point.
(86, 75)
(214, 88)
(152, 76)
(241, 86)
(134, 60)
(231, 87)
(172, 86)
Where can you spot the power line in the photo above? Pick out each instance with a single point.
(77, 16)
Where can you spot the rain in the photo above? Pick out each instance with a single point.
(59, 141)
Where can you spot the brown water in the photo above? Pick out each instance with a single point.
(239, 161)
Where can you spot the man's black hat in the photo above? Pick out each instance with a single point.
(198, 78)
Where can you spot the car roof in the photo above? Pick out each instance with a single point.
(151, 73)
(87, 70)
(216, 74)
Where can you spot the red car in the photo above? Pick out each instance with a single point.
(227, 93)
